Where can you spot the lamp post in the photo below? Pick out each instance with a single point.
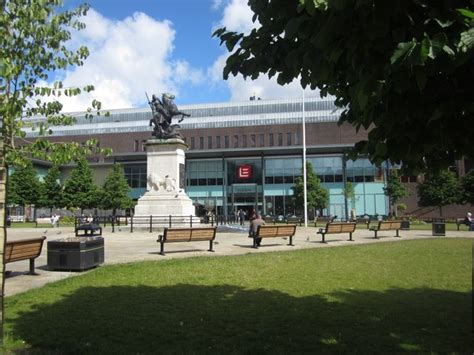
(305, 193)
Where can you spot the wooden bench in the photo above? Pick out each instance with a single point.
(337, 228)
(270, 219)
(173, 235)
(294, 220)
(323, 220)
(387, 225)
(264, 231)
(461, 222)
(88, 230)
(23, 250)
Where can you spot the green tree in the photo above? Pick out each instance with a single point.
(33, 37)
(114, 194)
(349, 196)
(317, 196)
(467, 185)
(403, 70)
(23, 185)
(394, 190)
(52, 189)
(80, 190)
(439, 189)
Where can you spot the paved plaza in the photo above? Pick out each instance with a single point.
(125, 247)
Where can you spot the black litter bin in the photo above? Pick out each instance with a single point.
(405, 225)
(439, 227)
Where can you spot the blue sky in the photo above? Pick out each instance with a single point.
(163, 46)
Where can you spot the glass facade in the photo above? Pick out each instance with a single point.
(265, 183)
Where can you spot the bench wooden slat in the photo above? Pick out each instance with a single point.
(24, 249)
(336, 228)
(265, 231)
(171, 235)
(385, 226)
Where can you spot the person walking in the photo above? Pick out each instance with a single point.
(241, 214)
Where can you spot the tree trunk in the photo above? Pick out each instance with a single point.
(3, 231)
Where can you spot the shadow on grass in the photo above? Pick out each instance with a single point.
(190, 318)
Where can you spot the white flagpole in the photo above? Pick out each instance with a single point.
(304, 168)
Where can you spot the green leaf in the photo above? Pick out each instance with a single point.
(402, 52)
(466, 13)
(466, 41)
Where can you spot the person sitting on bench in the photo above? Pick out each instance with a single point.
(254, 223)
(469, 221)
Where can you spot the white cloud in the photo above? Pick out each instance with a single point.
(237, 16)
(127, 58)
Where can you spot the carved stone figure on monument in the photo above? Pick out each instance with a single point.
(163, 112)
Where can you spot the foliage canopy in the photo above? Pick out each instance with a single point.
(403, 70)
(80, 190)
(317, 196)
(114, 194)
(439, 189)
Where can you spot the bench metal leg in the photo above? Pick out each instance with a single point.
(324, 240)
(210, 246)
(162, 248)
(376, 235)
(350, 237)
(291, 241)
(32, 267)
(397, 235)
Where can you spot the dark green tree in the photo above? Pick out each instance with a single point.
(80, 190)
(439, 189)
(468, 187)
(114, 194)
(403, 70)
(394, 190)
(317, 196)
(24, 186)
(52, 189)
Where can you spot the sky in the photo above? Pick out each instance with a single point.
(158, 46)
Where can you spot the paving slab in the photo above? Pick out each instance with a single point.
(122, 246)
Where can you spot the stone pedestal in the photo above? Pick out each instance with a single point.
(165, 180)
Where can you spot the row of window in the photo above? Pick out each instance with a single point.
(244, 141)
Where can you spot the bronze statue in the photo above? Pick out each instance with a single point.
(163, 111)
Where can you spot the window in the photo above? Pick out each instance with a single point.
(193, 143)
(270, 138)
(144, 146)
(252, 140)
(218, 141)
(261, 140)
(280, 139)
(135, 175)
(235, 141)
(135, 145)
(209, 142)
(226, 141)
(298, 138)
(244, 141)
(288, 139)
(201, 142)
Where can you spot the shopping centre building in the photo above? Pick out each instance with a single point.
(245, 154)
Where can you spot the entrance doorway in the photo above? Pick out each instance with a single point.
(245, 197)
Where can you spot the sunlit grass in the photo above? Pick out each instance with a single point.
(379, 298)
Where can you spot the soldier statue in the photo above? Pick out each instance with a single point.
(163, 111)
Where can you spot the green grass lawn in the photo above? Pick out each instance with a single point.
(412, 296)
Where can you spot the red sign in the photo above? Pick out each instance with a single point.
(244, 172)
